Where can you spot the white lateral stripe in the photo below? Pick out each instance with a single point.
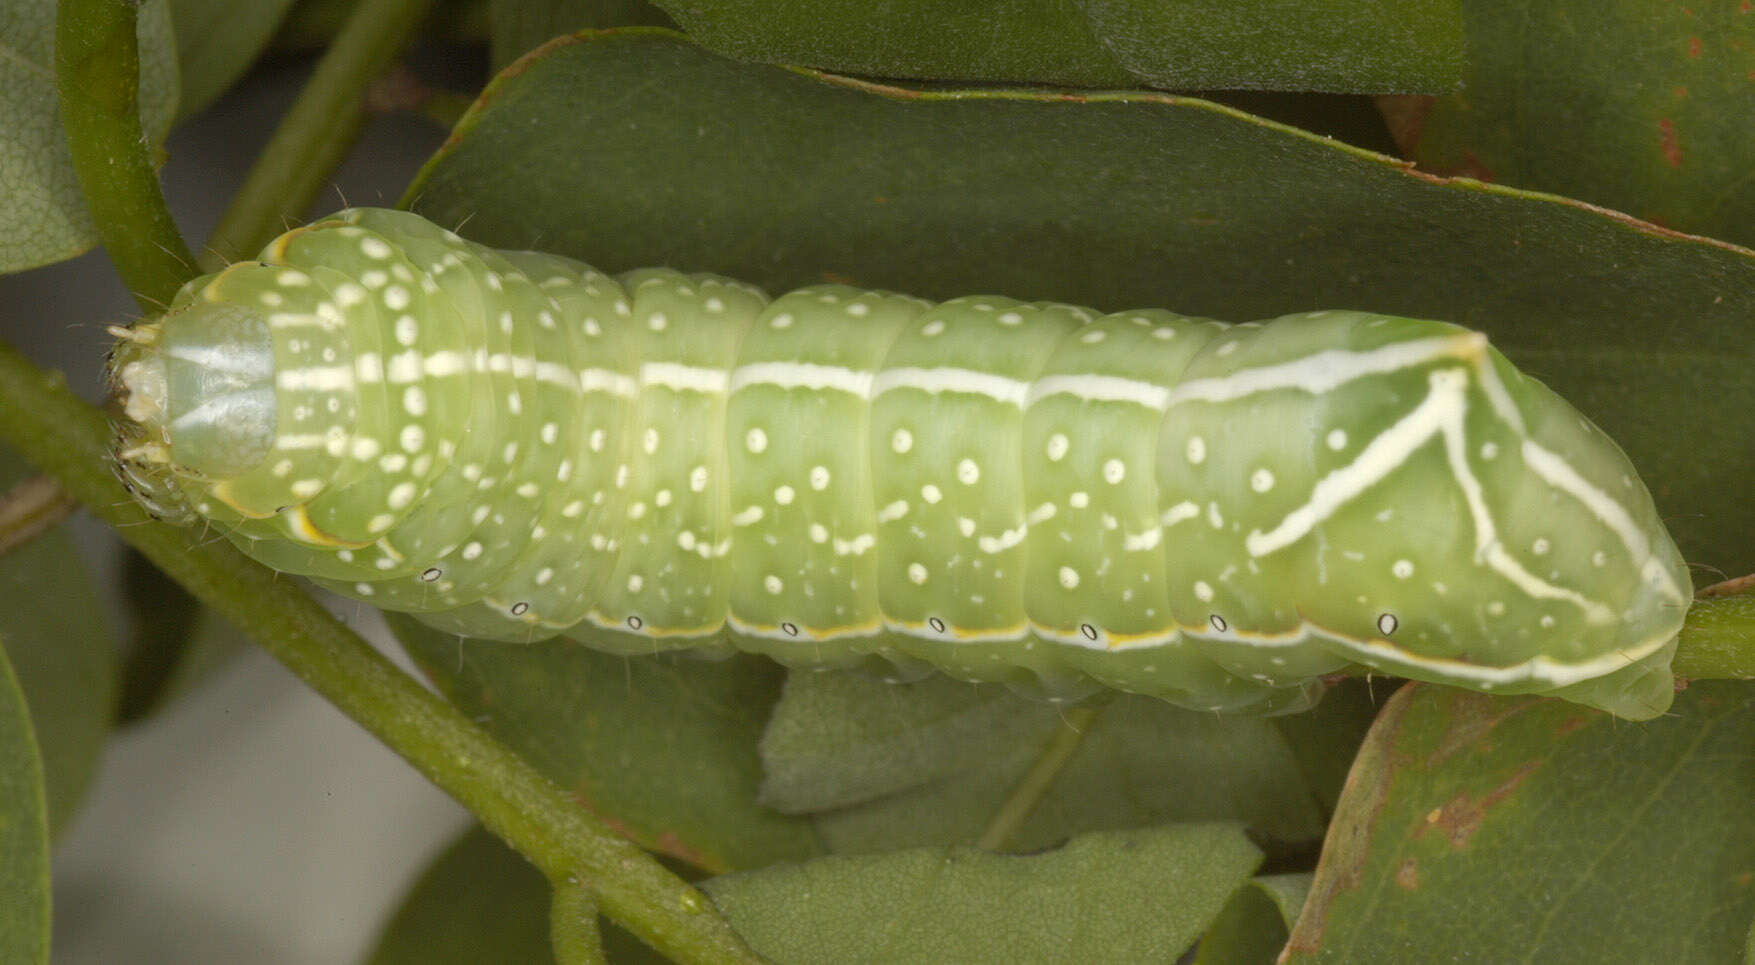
(1100, 388)
(1323, 371)
(322, 378)
(554, 373)
(1382, 456)
(1558, 473)
(443, 364)
(606, 380)
(683, 378)
(935, 381)
(802, 375)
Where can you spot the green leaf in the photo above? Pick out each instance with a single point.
(664, 747)
(46, 220)
(61, 646)
(1639, 106)
(1128, 896)
(1253, 927)
(1332, 45)
(1535, 830)
(478, 902)
(517, 27)
(885, 765)
(24, 831)
(217, 40)
(596, 149)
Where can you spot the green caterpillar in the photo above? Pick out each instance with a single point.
(511, 445)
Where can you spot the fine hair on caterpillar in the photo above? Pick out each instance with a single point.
(511, 445)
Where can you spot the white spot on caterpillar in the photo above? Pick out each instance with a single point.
(637, 510)
(773, 584)
(931, 493)
(968, 473)
(782, 320)
(1197, 450)
(1010, 318)
(657, 321)
(1114, 471)
(783, 495)
(471, 550)
(1599, 558)
(661, 498)
(750, 516)
(1094, 336)
(306, 488)
(1040, 514)
(698, 479)
(932, 328)
(1496, 609)
(595, 440)
(1489, 450)
(1216, 518)
(755, 441)
(916, 574)
(1069, 577)
(549, 433)
(893, 511)
(1179, 512)
(1337, 439)
(636, 582)
(414, 401)
(686, 539)
(1402, 569)
(1057, 447)
(1539, 547)
(544, 575)
(902, 440)
(1261, 480)
(819, 478)
(966, 526)
(396, 298)
(374, 248)
(1079, 500)
(855, 547)
(1203, 591)
(818, 533)
(400, 495)
(412, 438)
(650, 441)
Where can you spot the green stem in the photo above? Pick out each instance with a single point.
(69, 439)
(97, 71)
(316, 134)
(572, 926)
(1718, 641)
(1074, 724)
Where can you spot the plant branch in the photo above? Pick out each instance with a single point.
(97, 74)
(1074, 724)
(316, 133)
(572, 926)
(69, 439)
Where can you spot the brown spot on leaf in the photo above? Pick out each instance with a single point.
(1458, 818)
(1694, 46)
(1671, 147)
(1408, 874)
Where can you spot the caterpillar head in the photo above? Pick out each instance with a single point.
(198, 399)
